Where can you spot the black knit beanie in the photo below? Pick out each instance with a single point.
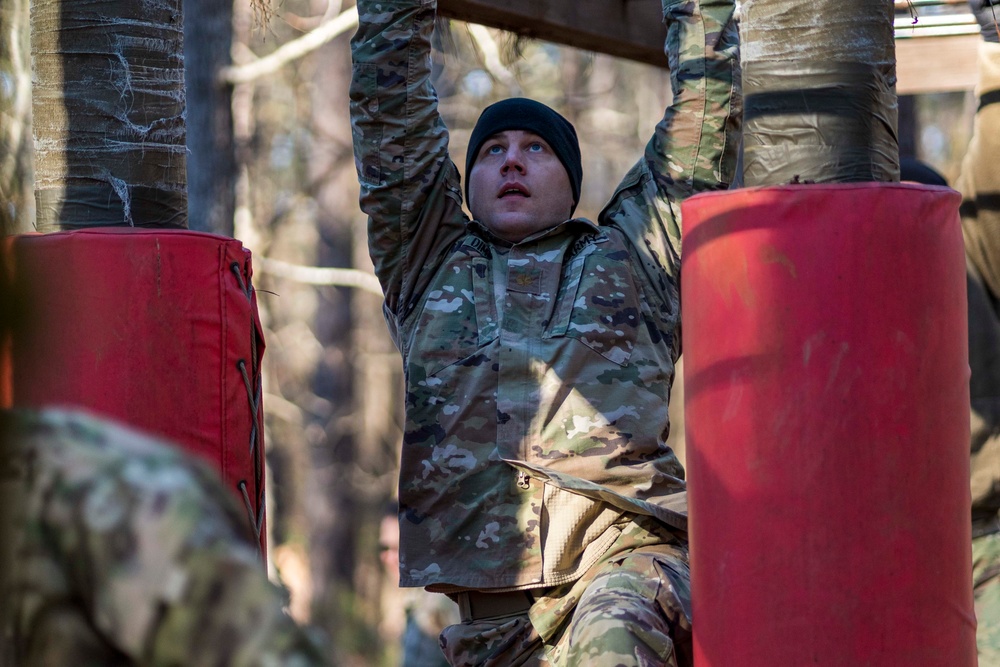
(519, 113)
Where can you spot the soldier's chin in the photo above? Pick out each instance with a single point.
(515, 226)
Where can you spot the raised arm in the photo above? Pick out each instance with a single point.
(409, 186)
(979, 181)
(694, 146)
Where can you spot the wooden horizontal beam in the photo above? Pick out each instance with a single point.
(936, 64)
(633, 29)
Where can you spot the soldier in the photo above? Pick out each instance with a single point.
(126, 552)
(979, 184)
(425, 614)
(536, 487)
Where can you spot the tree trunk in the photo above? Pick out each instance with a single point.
(211, 161)
(819, 83)
(16, 181)
(339, 520)
(108, 107)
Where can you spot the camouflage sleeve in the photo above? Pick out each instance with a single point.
(148, 545)
(979, 181)
(694, 146)
(409, 186)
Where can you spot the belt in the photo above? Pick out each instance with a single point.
(477, 606)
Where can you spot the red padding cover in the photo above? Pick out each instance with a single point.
(827, 384)
(150, 328)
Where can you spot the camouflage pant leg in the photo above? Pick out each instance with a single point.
(633, 613)
(986, 582)
(508, 640)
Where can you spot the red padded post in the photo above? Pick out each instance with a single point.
(158, 329)
(827, 415)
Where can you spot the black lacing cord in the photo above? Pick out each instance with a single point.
(253, 384)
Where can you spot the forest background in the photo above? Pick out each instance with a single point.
(271, 163)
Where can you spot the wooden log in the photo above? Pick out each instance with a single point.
(936, 64)
(633, 29)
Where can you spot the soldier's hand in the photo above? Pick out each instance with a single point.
(987, 13)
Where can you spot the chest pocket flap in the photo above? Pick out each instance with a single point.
(459, 315)
(598, 303)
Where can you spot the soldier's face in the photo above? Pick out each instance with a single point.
(388, 542)
(518, 186)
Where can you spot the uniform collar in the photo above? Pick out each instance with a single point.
(480, 230)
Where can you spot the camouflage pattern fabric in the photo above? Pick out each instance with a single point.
(494, 642)
(979, 184)
(632, 614)
(632, 608)
(126, 552)
(538, 373)
(986, 589)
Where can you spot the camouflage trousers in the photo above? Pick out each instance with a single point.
(986, 589)
(632, 609)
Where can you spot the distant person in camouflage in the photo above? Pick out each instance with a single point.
(426, 614)
(984, 360)
(120, 550)
(536, 487)
(979, 183)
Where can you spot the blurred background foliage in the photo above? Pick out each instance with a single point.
(333, 383)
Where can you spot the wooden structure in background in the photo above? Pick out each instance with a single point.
(936, 64)
(936, 54)
(629, 29)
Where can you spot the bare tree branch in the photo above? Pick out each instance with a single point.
(491, 57)
(292, 50)
(315, 275)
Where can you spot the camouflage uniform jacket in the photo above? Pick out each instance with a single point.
(979, 184)
(537, 374)
(119, 550)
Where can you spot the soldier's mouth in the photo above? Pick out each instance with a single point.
(513, 191)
